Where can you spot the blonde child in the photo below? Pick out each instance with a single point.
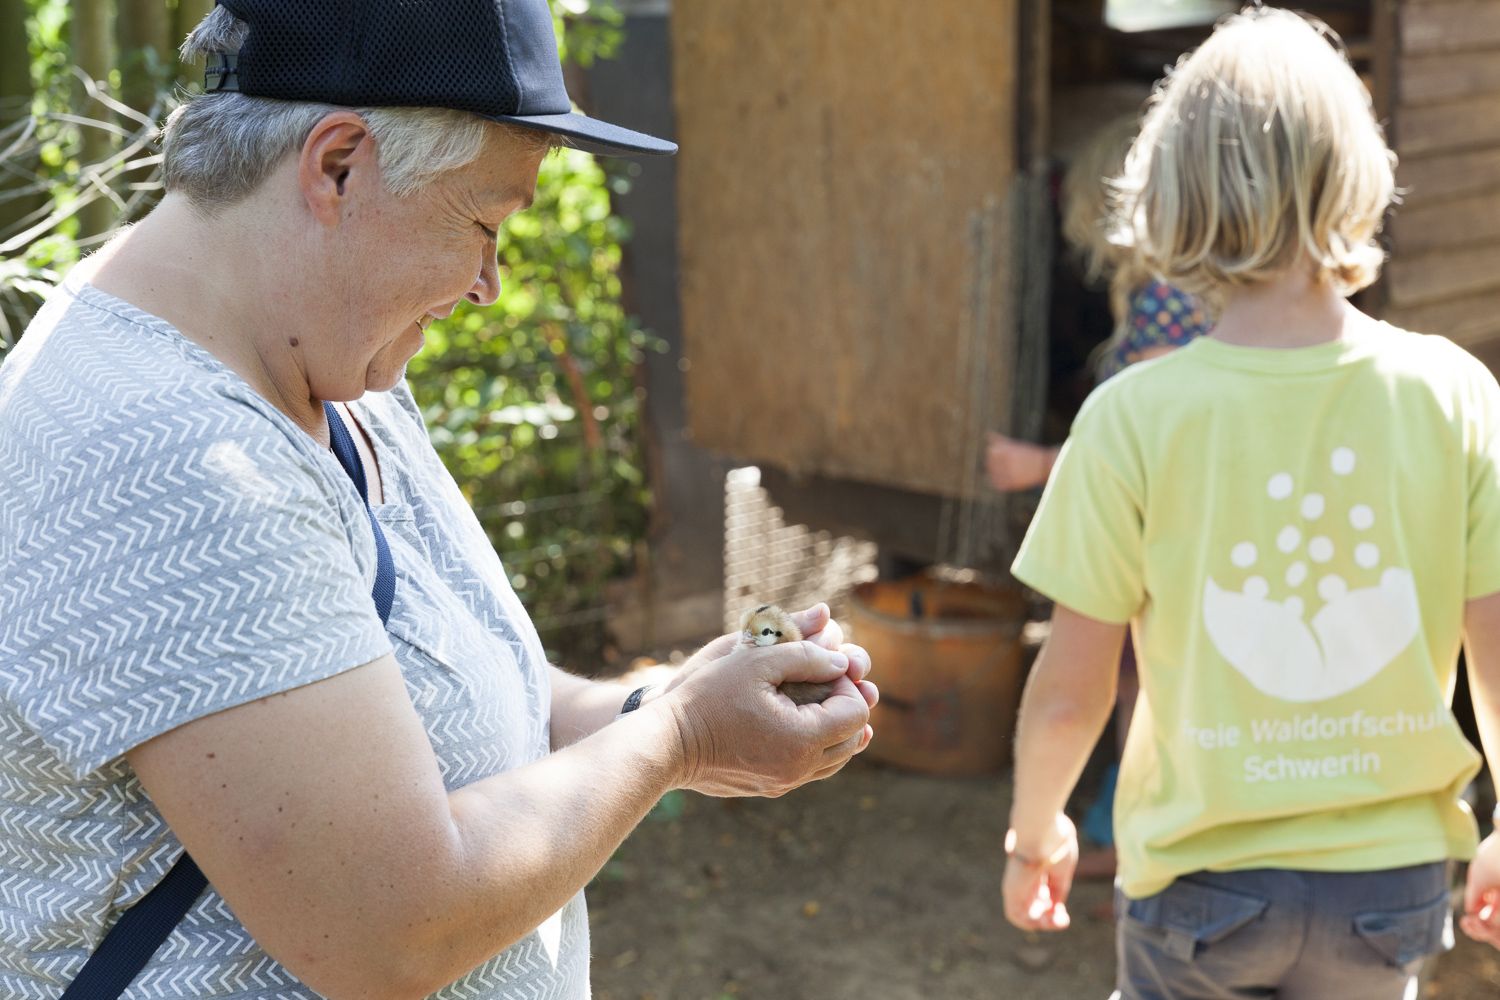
(1300, 514)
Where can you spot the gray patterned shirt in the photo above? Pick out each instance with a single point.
(172, 545)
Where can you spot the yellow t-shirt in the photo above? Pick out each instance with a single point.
(1293, 534)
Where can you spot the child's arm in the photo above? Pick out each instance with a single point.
(1067, 704)
(1015, 465)
(1481, 919)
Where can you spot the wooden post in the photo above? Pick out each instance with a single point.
(15, 60)
(145, 55)
(91, 37)
(146, 62)
(187, 17)
(15, 105)
(1033, 244)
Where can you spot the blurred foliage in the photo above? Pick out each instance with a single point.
(534, 406)
(48, 179)
(586, 30)
(533, 403)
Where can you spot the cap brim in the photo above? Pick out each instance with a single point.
(593, 135)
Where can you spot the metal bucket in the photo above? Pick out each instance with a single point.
(948, 660)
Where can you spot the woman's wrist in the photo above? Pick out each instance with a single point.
(657, 739)
(678, 737)
(634, 700)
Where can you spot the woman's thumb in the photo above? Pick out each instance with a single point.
(811, 620)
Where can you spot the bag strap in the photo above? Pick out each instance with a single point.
(143, 928)
(384, 592)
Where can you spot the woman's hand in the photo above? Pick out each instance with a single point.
(818, 627)
(740, 736)
(1039, 876)
(1017, 465)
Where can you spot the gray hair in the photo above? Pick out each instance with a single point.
(219, 147)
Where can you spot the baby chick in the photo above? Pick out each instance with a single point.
(766, 626)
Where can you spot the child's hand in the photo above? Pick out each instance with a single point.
(1017, 465)
(1481, 919)
(1036, 887)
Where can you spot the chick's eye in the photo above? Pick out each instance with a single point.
(766, 631)
(778, 635)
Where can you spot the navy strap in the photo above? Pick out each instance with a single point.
(135, 937)
(143, 928)
(385, 566)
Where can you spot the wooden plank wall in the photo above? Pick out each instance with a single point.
(846, 190)
(1444, 272)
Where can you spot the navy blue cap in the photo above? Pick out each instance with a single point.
(495, 58)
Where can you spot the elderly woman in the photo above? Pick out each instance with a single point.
(210, 644)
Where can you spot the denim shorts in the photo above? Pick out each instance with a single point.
(1294, 935)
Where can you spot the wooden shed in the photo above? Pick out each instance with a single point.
(1444, 110)
(870, 265)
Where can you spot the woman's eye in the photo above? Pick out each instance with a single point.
(491, 234)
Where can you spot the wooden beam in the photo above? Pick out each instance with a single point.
(1433, 79)
(1447, 224)
(1458, 125)
(1449, 27)
(1384, 36)
(1034, 111)
(1446, 176)
(1464, 320)
(1439, 275)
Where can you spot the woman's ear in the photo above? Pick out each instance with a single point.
(339, 153)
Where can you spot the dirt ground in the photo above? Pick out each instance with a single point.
(876, 885)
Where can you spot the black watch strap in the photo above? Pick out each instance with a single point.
(633, 700)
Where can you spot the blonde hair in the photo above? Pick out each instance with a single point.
(1259, 151)
(1088, 205)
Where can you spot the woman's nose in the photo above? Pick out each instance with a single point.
(486, 288)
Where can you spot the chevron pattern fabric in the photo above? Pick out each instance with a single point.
(171, 545)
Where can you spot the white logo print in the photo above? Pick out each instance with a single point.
(1353, 636)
